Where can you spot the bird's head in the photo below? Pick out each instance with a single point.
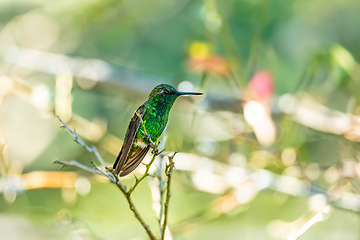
(165, 90)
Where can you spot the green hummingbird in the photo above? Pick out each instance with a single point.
(154, 113)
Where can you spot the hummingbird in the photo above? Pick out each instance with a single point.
(154, 113)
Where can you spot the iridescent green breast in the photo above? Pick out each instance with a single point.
(155, 122)
(156, 116)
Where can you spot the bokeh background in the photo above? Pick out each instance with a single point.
(271, 151)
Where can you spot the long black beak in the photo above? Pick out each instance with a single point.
(189, 93)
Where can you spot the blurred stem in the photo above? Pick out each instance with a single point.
(204, 77)
(255, 43)
(231, 49)
(318, 217)
(307, 76)
(3, 166)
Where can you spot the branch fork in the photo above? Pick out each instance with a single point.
(110, 174)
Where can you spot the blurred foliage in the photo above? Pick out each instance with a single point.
(271, 149)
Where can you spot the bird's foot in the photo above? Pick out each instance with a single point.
(155, 151)
(147, 137)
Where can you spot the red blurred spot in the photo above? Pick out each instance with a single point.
(262, 85)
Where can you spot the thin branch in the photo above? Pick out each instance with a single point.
(145, 132)
(75, 136)
(92, 149)
(146, 174)
(134, 210)
(161, 193)
(98, 157)
(74, 163)
(110, 173)
(168, 171)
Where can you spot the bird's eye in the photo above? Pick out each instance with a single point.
(165, 91)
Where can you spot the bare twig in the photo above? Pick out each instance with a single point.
(161, 194)
(92, 149)
(145, 132)
(168, 172)
(74, 164)
(134, 210)
(110, 174)
(146, 174)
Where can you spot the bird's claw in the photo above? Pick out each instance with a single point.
(155, 151)
(147, 137)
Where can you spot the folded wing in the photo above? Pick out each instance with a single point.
(130, 156)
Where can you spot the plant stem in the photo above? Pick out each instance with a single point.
(75, 164)
(168, 171)
(134, 210)
(138, 181)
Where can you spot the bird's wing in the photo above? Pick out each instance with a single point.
(134, 160)
(134, 125)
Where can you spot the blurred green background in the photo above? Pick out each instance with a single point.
(271, 151)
